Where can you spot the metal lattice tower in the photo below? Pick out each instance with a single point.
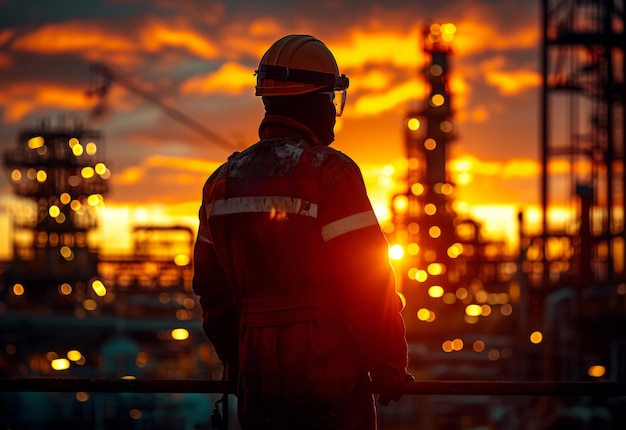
(423, 219)
(582, 143)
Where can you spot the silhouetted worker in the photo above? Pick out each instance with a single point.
(291, 266)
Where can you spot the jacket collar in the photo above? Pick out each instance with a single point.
(283, 126)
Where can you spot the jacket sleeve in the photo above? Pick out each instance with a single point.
(358, 253)
(220, 319)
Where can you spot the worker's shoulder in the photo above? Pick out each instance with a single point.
(325, 155)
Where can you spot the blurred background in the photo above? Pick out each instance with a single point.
(490, 136)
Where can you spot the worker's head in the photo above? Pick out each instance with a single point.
(298, 76)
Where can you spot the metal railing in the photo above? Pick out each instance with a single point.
(463, 388)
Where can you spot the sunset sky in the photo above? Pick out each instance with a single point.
(199, 57)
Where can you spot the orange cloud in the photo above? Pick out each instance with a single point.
(20, 99)
(513, 168)
(474, 35)
(158, 35)
(230, 78)
(374, 104)
(513, 82)
(387, 47)
(72, 36)
(186, 170)
(5, 35)
(265, 26)
(508, 82)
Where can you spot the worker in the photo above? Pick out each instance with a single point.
(291, 266)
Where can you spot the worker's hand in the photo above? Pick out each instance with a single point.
(393, 393)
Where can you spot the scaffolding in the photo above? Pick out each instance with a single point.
(582, 145)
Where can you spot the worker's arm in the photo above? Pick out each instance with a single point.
(358, 253)
(220, 320)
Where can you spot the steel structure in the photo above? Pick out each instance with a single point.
(582, 145)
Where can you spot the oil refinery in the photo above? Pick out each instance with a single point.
(553, 310)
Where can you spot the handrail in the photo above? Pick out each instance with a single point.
(497, 388)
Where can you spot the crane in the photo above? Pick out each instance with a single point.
(108, 75)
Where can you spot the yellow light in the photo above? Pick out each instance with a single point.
(457, 344)
(430, 209)
(90, 305)
(421, 276)
(446, 189)
(436, 269)
(182, 260)
(536, 337)
(436, 70)
(435, 28)
(60, 364)
(65, 289)
(16, 175)
(435, 291)
(413, 248)
(486, 310)
(189, 303)
(478, 346)
(506, 309)
(448, 28)
(42, 176)
(473, 310)
(455, 250)
(434, 232)
(413, 124)
(75, 205)
(447, 346)
(54, 211)
(73, 142)
(396, 252)
(94, 199)
(400, 204)
(65, 198)
(596, 371)
(91, 148)
(35, 142)
(99, 288)
(423, 314)
(180, 334)
(417, 189)
(461, 293)
(87, 172)
(66, 252)
(18, 289)
(437, 100)
(74, 355)
(100, 168)
(430, 144)
(77, 150)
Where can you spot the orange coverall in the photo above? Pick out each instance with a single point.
(294, 279)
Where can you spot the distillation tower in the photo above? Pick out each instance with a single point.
(457, 285)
